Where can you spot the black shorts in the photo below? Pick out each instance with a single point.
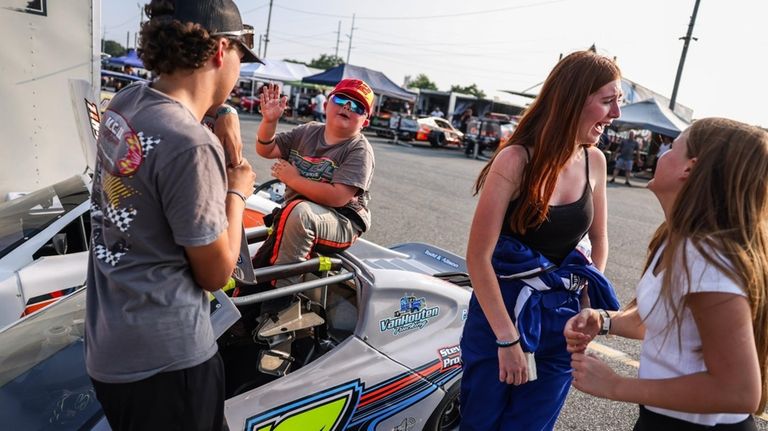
(188, 399)
(652, 421)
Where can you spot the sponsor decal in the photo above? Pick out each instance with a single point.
(464, 313)
(327, 410)
(450, 357)
(440, 258)
(353, 407)
(93, 117)
(413, 314)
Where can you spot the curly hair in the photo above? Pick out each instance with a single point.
(167, 45)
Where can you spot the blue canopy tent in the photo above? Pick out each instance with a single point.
(651, 115)
(131, 58)
(381, 85)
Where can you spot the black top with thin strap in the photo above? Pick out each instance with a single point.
(564, 227)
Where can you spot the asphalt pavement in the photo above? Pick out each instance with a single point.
(424, 194)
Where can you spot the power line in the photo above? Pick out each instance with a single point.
(427, 17)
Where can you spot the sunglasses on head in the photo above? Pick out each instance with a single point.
(354, 105)
(244, 36)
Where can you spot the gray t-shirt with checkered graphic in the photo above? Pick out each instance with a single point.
(159, 186)
(350, 162)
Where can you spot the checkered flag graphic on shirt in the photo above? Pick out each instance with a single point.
(120, 217)
(103, 254)
(147, 143)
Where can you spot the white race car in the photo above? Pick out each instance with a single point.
(369, 340)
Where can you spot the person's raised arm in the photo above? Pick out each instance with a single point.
(501, 186)
(272, 106)
(212, 264)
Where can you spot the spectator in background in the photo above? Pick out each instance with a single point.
(628, 150)
(128, 70)
(666, 145)
(436, 112)
(318, 106)
(464, 120)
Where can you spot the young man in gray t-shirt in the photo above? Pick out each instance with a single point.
(327, 169)
(166, 223)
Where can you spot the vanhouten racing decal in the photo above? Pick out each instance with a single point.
(353, 407)
(413, 314)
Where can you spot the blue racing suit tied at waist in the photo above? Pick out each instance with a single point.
(542, 285)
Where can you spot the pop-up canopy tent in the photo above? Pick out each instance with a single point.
(651, 115)
(381, 85)
(131, 58)
(276, 70)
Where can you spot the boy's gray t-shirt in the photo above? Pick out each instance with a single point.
(350, 163)
(159, 186)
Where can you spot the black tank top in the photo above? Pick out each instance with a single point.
(564, 227)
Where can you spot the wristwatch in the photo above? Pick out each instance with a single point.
(605, 322)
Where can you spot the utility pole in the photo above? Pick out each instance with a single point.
(338, 40)
(127, 39)
(687, 41)
(351, 32)
(266, 36)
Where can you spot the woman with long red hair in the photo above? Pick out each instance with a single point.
(540, 195)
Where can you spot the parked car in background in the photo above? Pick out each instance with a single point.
(438, 132)
(485, 133)
(111, 83)
(250, 104)
(388, 125)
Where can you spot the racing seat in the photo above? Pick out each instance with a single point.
(279, 327)
(279, 333)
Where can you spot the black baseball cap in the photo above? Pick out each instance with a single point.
(220, 18)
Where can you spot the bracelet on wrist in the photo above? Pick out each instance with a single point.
(504, 343)
(238, 194)
(265, 142)
(224, 110)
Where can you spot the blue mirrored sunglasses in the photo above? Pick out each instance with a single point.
(354, 105)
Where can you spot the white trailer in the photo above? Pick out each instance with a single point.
(49, 49)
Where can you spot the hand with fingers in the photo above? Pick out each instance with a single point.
(284, 171)
(581, 329)
(241, 178)
(513, 366)
(593, 376)
(271, 103)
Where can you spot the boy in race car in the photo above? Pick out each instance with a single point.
(327, 169)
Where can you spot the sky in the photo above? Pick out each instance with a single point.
(513, 44)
